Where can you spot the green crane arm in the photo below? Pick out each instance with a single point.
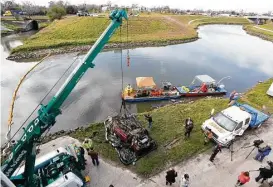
(25, 148)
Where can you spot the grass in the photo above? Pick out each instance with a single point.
(170, 120)
(12, 18)
(157, 28)
(11, 26)
(43, 25)
(258, 32)
(85, 30)
(267, 26)
(221, 20)
(258, 97)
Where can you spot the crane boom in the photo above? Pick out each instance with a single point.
(25, 148)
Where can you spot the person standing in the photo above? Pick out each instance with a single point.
(243, 178)
(170, 176)
(217, 149)
(262, 153)
(208, 136)
(185, 181)
(94, 156)
(233, 97)
(265, 173)
(87, 143)
(150, 120)
(188, 127)
(267, 184)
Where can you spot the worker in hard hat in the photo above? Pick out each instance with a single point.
(87, 143)
(129, 89)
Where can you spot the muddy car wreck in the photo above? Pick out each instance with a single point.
(126, 134)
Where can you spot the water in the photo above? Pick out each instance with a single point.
(221, 51)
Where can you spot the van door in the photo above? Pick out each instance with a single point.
(246, 124)
(238, 129)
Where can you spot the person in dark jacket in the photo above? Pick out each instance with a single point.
(217, 149)
(149, 119)
(188, 127)
(265, 173)
(262, 153)
(170, 177)
(82, 155)
(94, 156)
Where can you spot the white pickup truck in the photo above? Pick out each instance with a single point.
(232, 122)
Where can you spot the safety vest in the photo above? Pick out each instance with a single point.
(88, 144)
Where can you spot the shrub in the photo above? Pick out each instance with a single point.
(56, 12)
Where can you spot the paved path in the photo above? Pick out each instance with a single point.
(257, 27)
(202, 172)
(195, 20)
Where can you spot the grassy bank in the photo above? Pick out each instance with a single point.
(221, 20)
(167, 127)
(268, 26)
(11, 26)
(267, 35)
(12, 18)
(85, 30)
(74, 31)
(257, 96)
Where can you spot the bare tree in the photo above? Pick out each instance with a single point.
(109, 3)
(28, 8)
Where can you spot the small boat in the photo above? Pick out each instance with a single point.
(203, 85)
(147, 91)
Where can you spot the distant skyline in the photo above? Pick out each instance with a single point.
(245, 5)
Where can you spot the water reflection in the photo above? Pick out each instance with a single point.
(221, 51)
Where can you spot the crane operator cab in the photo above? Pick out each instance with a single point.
(58, 168)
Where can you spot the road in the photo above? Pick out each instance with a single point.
(201, 171)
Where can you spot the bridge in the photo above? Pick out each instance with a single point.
(260, 19)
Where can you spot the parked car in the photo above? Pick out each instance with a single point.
(81, 13)
(7, 13)
(94, 15)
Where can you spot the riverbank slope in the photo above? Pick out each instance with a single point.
(262, 31)
(75, 34)
(168, 131)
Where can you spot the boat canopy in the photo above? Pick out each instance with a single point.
(204, 79)
(145, 82)
(270, 90)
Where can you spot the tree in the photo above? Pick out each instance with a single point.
(56, 12)
(109, 3)
(28, 8)
(70, 9)
(2, 8)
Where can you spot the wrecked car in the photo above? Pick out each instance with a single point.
(128, 137)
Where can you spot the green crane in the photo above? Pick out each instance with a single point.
(25, 147)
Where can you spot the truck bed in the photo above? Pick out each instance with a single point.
(258, 117)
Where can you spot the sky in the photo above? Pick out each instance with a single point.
(246, 5)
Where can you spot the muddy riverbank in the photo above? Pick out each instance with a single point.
(38, 54)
